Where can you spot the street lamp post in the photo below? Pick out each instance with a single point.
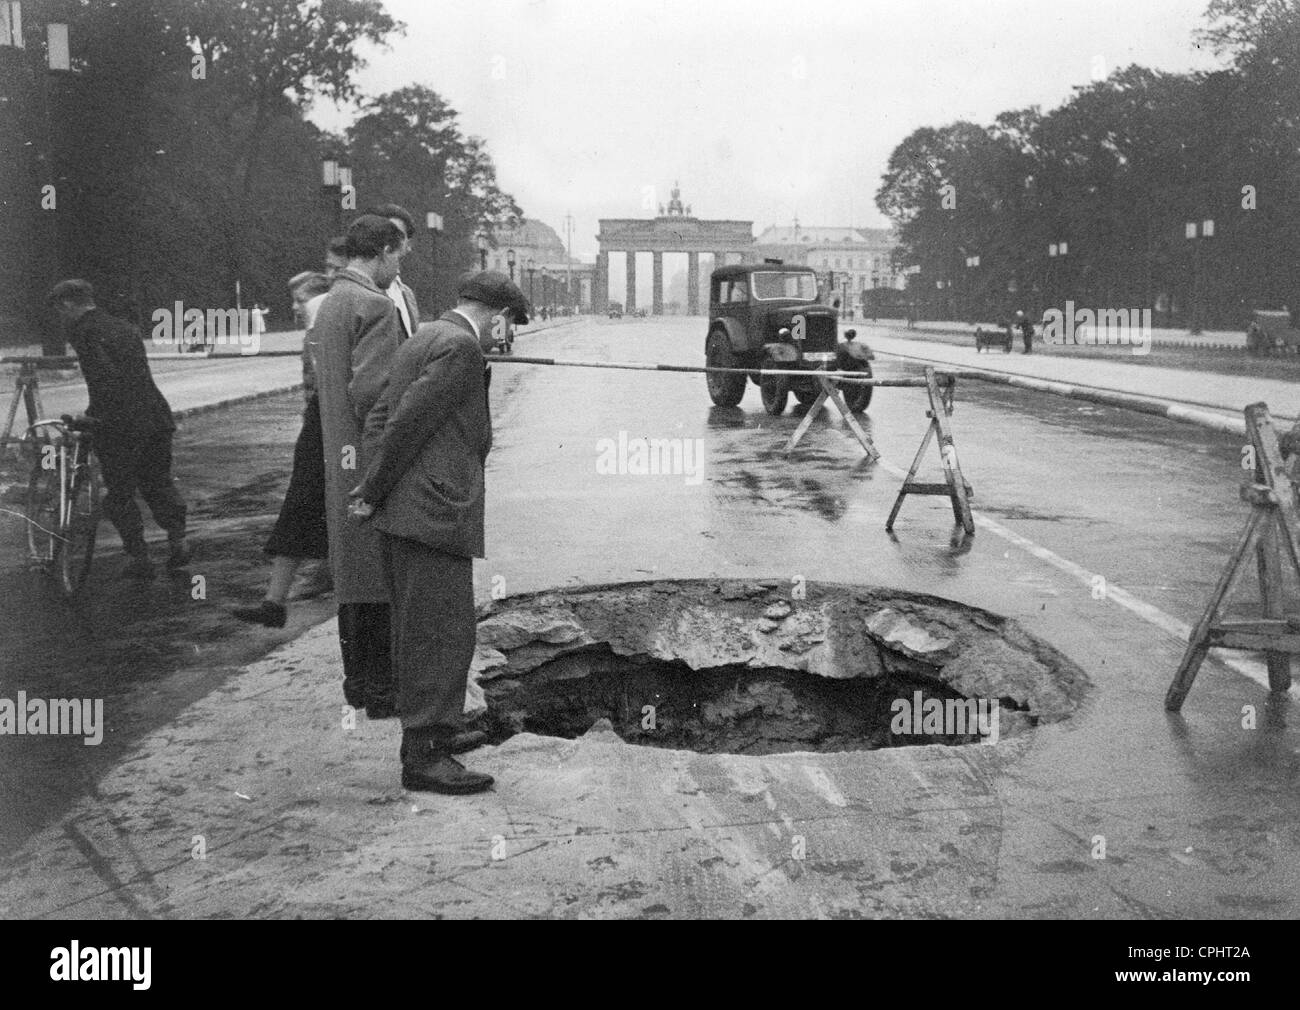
(568, 258)
(482, 241)
(53, 97)
(972, 262)
(510, 262)
(434, 223)
(1206, 230)
(546, 280)
(1056, 251)
(336, 179)
(531, 267)
(329, 184)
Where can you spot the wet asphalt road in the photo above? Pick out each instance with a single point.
(1148, 503)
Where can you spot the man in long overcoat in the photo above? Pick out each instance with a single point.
(357, 331)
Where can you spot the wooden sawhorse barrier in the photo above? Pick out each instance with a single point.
(1271, 525)
(954, 485)
(829, 392)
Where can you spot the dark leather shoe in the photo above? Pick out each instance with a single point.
(467, 740)
(427, 764)
(267, 613)
(443, 774)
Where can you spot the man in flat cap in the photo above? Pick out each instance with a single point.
(427, 439)
(134, 436)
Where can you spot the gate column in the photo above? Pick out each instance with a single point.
(600, 284)
(657, 274)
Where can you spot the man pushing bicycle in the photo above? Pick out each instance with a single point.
(133, 433)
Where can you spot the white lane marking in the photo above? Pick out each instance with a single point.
(1250, 668)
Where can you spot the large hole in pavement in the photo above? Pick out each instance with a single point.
(745, 667)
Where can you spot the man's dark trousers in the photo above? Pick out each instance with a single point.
(434, 631)
(144, 464)
(365, 639)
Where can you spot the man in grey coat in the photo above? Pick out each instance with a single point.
(427, 439)
(356, 334)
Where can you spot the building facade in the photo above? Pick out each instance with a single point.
(855, 259)
(543, 269)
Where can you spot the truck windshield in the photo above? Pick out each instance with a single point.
(773, 284)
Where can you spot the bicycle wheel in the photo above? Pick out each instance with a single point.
(42, 508)
(77, 548)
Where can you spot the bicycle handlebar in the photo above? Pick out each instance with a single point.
(84, 423)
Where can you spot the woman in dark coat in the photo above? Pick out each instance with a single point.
(300, 531)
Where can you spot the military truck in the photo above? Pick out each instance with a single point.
(769, 316)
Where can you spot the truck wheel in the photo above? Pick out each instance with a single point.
(857, 398)
(807, 395)
(724, 390)
(775, 390)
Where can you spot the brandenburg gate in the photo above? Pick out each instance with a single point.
(673, 231)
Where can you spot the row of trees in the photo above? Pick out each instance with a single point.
(183, 161)
(1106, 199)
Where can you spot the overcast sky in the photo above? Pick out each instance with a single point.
(762, 109)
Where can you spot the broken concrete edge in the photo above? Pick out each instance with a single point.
(836, 630)
(1201, 415)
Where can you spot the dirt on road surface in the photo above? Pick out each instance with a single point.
(147, 649)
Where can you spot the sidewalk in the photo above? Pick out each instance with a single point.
(1160, 336)
(1205, 398)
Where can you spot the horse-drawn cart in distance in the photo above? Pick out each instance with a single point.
(1272, 333)
(992, 338)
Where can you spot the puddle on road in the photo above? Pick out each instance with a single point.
(740, 667)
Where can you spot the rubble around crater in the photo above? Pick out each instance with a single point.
(834, 631)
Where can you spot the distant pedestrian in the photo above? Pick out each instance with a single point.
(427, 441)
(133, 437)
(356, 333)
(1026, 329)
(300, 531)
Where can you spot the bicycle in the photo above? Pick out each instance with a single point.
(63, 500)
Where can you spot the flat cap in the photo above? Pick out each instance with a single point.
(495, 290)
